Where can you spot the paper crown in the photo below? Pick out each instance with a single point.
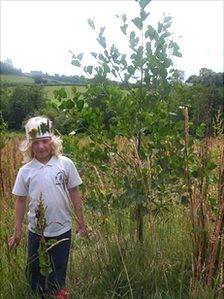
(38, 127)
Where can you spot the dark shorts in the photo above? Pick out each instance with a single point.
(58, 257)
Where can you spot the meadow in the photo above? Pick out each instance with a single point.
(111, 263)
(11, 81)
(15, 79)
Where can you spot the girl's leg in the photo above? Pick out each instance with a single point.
(59, 255)
(36, 280)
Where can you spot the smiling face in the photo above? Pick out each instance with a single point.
(42, 149)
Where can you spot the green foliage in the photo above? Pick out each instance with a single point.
(45, 245)
(22, 102)
(136, 111)
(151, 48)
(146, 107)
(44, 259)
(3, 135)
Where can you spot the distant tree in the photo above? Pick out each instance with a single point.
(36, 73)
(4, 101)
(7, 67)
(8, 61)
(176, 75)
(193, 79)
(38, 79)
(56, 76)
(208, 78)
(23, 102)
(207, 97)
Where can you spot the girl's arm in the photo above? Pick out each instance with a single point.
(20, 209)
(77, 203)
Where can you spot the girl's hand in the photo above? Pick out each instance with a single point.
(15, 239)
(82, 232)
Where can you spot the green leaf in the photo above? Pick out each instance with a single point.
(114, 53)
(167, 19)
(106, 68)
(69, 104)
(131, 69)
(106, 54)
(89, 69)
(133, 39)
(124, 18)
(211, 165)
(160, 27)
(91, 23)
(166, 26)
(60, 94)
(200, 132)
(76, 63)
(151, 33)
(54, 105)
(175, 47)
(144, 3)
(103, 58)
(133, 56)
(80, 104)
(102, 29)
(177, 54)
(138, 23)
(102, 41)
(123, 60)
(93, 54)
(124, 28)
(148, 47)
(165, 34)
(143, 15)
(139, 53)
(114, 73)
(127, 77)
(167, 63)
(80, 56)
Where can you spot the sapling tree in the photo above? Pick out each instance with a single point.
(139, 104)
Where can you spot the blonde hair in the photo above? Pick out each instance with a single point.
(26, 148)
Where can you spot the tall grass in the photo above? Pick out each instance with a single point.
(110, 263)
(121, 268)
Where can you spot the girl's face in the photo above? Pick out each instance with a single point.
(42, 149)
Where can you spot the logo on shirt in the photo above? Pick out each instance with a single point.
(60, 178)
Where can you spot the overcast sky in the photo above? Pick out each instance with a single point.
(38, 35)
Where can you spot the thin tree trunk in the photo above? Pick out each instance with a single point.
(139, 222)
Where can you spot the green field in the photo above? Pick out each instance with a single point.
(15, 79)
(68, 88)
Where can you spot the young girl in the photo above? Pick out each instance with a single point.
(54, 178)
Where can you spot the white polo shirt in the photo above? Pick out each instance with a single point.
(53, 180)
